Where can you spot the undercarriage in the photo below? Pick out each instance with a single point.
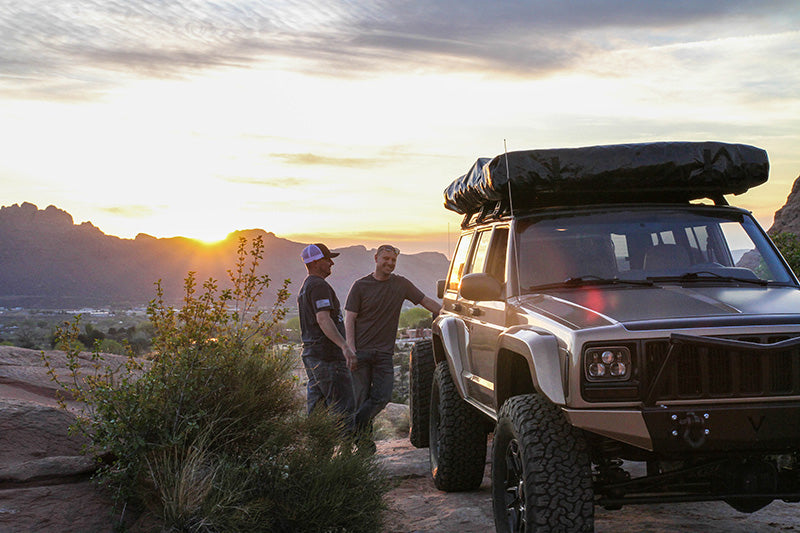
(746, 482)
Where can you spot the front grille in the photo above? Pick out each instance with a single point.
(711, 368)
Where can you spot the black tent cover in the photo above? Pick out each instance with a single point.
(659, 171)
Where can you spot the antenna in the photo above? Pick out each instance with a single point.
(515, 255)
(508, 179)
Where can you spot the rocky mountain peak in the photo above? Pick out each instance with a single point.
(29, 214)
(787, 218)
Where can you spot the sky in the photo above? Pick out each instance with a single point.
(343, 121)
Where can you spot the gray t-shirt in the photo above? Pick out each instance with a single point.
(378, 304)
(316, 295)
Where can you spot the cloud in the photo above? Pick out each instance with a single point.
(131, 211)
(308, 159)
(75, 47)
(278, 183)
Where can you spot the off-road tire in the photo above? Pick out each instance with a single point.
(457, 437)
(420, 380)
(541, 472)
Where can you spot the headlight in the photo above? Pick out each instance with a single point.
(610, 363)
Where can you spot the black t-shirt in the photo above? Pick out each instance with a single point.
(316, 295)
(378, 304)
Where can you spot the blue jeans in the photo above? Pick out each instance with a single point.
(330, 384)
(373, 380)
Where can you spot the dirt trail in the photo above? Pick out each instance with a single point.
(416, 506)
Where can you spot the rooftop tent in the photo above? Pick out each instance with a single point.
(647, 172)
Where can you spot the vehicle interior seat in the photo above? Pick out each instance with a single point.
(665, 257)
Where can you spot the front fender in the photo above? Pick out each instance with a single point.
(454, 335)
(540, 350)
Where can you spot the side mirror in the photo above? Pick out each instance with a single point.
(441, 285)
(480, 287)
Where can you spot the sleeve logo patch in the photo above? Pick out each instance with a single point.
(322, 303)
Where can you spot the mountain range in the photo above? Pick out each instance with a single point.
(49, 262)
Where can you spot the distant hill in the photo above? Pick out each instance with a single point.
(47, 261)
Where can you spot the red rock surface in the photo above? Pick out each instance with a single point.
(44, 484)
(787, 218)
(44, 477)
(416, 506)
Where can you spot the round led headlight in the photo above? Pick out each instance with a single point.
(618, 369)
(607, 363)
(597, 370)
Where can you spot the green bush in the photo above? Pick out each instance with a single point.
(789, 246)
(209, 435)
(415, 317)
(112, 346)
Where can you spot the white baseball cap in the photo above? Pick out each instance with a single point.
(315, 252)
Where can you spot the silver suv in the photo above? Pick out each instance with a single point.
(623, 343)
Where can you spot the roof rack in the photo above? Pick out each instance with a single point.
(488, 212)
(501, 210)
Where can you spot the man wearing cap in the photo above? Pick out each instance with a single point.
(325, 352)
(372, 314)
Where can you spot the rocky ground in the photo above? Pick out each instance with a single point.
(44, 477)
(416, 506)
(44, 483)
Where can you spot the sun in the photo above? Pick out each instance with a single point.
(210, 236)
(210, 241)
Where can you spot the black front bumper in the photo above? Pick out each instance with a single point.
(760, 428)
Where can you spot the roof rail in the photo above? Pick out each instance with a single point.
(487, 213)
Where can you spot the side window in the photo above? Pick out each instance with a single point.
(459, 261)
(478, 261)
(621, 254)
(496, 263)
(743, 250)
(698, 244)
(663, 237)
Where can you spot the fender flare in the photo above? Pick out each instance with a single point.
(453, 333)
(540, 351)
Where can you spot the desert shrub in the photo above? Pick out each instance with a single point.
(209, 434)
(112, 346)
(415, 317)
(789, 246)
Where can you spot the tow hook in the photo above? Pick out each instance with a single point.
(691, 428)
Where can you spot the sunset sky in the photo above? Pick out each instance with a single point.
(343, 122)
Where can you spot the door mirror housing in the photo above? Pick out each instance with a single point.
(440, 287)
(480, 287)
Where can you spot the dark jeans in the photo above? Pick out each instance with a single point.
(373, 380)
(330, 383)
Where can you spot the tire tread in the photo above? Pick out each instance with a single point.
(420, 379)
(462, 438)
(557, 469)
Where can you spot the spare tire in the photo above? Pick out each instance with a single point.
(420, 378)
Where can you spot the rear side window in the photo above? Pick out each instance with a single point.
(481, 248)
(496, 264)
(459, 261)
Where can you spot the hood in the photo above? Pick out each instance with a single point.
(668, 306)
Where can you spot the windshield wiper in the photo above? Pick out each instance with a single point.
(709, 276)
(589, 280)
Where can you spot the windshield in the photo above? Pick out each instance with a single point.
(655, 244)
